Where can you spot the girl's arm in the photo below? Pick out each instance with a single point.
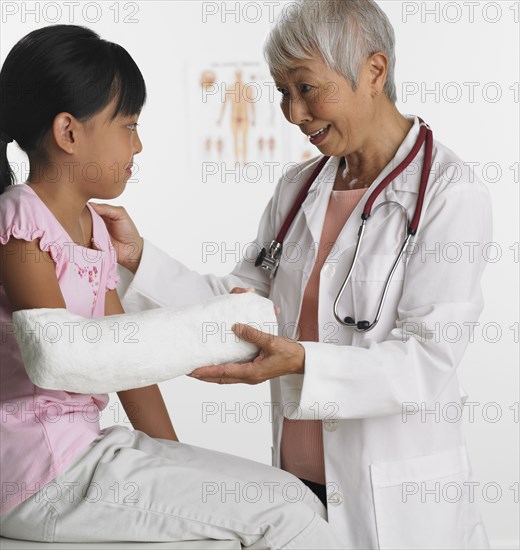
(29, 279)
(145, 407)
(28, 276)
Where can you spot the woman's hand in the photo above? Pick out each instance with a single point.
(278, 356)
(123, 234)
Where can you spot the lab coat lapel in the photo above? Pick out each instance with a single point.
(315, 205)
(305, 230)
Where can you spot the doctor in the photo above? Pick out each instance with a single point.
(360, 414)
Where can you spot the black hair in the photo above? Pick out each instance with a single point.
(62, 68)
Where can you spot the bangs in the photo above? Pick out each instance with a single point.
(340, 33)
(285, 44)
(127, 83)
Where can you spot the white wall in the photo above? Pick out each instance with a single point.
(440, 44)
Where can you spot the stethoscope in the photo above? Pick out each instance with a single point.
(270, 260)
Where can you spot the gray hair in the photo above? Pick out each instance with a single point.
(344, 32)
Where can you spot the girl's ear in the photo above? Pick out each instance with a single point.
(64, 130)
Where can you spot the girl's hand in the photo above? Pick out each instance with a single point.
(278, 356)
(240, 290)
(123, 234)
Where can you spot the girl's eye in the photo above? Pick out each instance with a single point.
(132, 126)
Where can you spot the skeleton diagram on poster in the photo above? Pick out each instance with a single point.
(238, 126)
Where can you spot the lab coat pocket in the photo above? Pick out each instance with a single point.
(422, 502)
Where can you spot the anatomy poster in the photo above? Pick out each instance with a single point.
(237, 129)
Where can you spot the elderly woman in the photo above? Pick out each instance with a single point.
(359, 384)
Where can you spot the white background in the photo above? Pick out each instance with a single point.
(441, 46)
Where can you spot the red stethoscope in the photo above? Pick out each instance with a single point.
(270, 260)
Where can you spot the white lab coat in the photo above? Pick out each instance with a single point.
(395, 479)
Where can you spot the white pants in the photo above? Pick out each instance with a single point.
(127, 486)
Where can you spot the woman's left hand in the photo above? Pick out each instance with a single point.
(278, 356)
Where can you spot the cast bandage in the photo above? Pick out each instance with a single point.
(64, 351)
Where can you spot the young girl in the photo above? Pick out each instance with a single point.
(71, 101)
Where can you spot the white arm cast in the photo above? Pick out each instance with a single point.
(63, 351)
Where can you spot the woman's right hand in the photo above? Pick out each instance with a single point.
(123, 234)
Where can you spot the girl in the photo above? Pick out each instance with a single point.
(71, 101)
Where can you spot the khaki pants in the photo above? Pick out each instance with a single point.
(127, 486)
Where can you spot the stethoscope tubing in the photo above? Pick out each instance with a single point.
(425, 137)
(270, 260)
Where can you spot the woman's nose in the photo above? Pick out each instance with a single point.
(298, 111)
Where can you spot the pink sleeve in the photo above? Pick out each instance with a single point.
(22, 217)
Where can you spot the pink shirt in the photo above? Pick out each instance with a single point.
(42, 431)
(302, 440)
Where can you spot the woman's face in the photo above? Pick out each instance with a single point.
(319, 99)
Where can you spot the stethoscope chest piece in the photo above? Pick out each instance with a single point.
(270, 260)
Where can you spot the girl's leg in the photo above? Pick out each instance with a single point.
(130, 487)
(32, 520)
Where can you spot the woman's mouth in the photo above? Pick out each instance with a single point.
(319, 136)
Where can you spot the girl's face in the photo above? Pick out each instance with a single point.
(107, 152)
(319, 99)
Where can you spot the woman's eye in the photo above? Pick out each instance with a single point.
(303, 89)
